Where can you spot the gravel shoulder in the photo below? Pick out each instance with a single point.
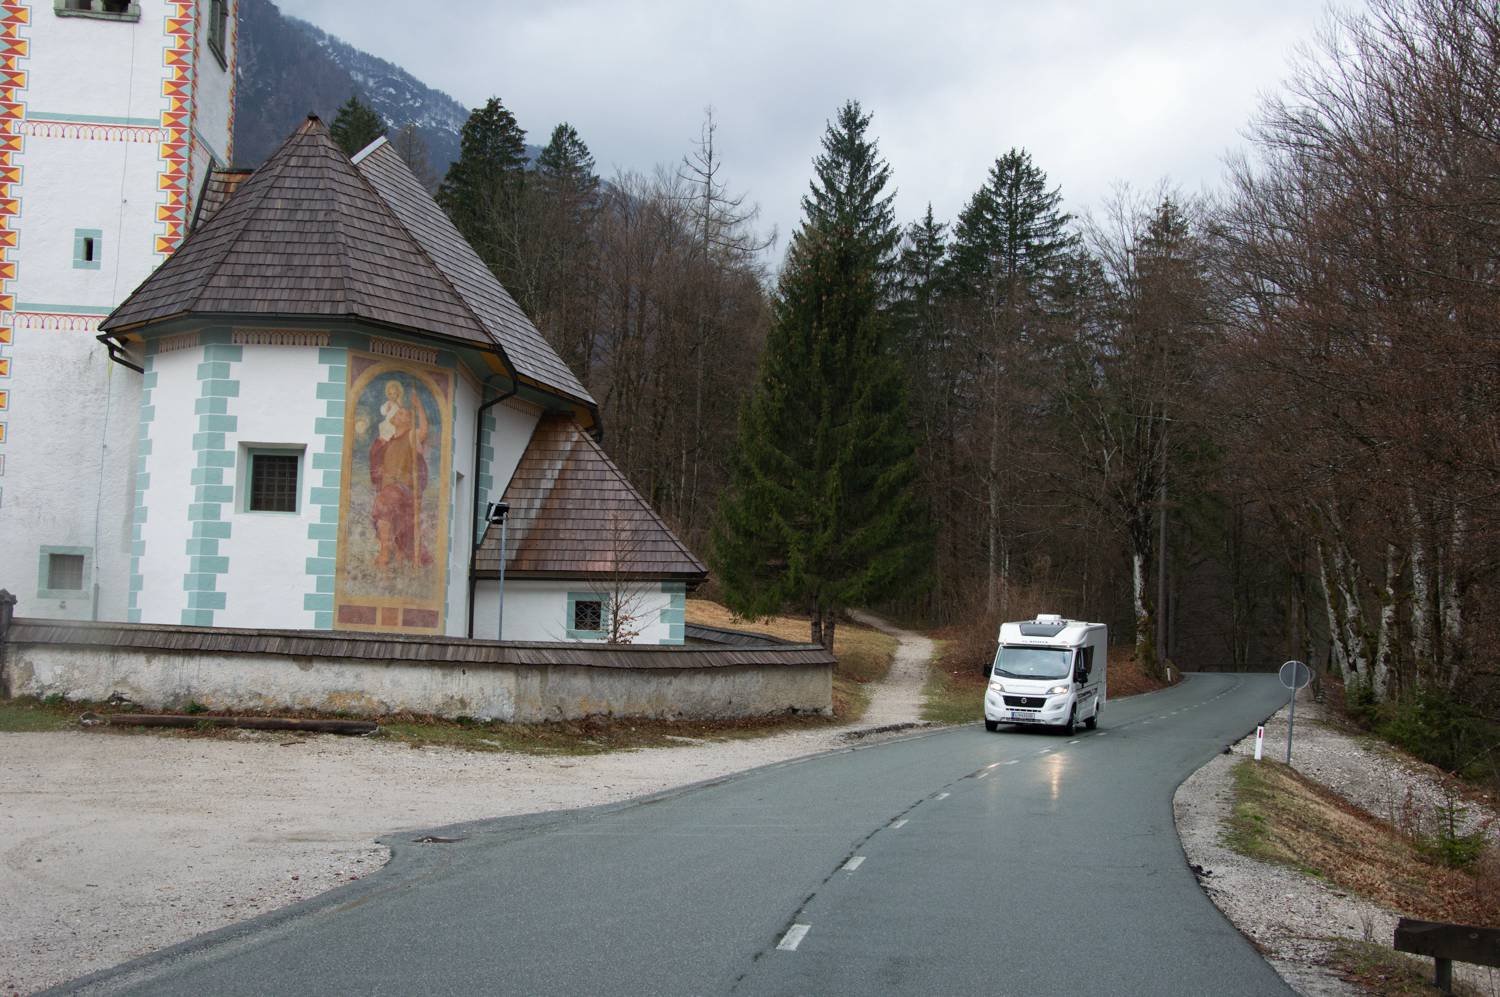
(1294, 918)
(113, 846)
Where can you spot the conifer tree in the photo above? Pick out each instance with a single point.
(822, 511)
(563, 256)
(356, 125)
(483, 192)
(1010, 247)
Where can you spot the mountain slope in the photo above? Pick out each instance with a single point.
(288, 67)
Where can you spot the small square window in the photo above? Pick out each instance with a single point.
(273, 481)
(88, 248)
(588, 614)
(65, 572)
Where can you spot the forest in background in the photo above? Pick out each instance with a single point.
(1239, 431)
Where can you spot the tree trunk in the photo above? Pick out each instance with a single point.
(1421, 595)
(1337, 649)
(1385, 645)
(830, 625)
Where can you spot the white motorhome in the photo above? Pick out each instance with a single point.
(1048, 671)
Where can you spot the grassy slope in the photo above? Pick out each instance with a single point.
(1284, 817)
(865, 655)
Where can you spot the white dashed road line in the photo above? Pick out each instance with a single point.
(899, 823)
(854, 863)
(793, 937)
(941, 796)
(1013, 761)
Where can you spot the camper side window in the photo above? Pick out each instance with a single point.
(1086, 660)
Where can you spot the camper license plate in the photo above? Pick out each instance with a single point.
(1018, 715)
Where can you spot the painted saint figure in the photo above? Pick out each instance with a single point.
(398, 470)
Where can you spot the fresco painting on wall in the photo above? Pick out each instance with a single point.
(393, 506)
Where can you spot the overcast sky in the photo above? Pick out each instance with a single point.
(1099, 91)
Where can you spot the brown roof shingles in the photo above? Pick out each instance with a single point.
(305, 235)
(531, 355)
(574, 515)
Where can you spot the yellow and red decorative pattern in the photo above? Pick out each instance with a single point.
(174, 179)
(14, 47)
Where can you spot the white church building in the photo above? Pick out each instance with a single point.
(280, 399)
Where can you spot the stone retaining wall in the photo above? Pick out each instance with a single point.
(375, 674)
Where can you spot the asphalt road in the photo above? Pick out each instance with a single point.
(956, 862)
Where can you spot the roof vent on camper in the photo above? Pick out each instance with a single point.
(1045, 625)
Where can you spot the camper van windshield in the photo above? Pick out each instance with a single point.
(1033, 662)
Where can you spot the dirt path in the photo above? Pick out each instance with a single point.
(115, 845)
(899, 698)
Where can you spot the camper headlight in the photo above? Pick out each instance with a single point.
(1058, 690)
(996, 685)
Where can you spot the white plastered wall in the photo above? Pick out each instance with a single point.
(166, 530)
(71, 414)
(537, 610)
(461, 519)
(277, 409)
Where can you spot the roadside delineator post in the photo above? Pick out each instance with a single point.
(1260, 741)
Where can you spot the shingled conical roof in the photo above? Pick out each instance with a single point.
(305, 236)
(530, 355)
(574, 515)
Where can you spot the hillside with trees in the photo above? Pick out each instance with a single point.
(1239, 429)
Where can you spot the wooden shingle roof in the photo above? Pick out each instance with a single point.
(530, 355)
(574, 515)
(311, 235)
(306, 236)
(218, 188)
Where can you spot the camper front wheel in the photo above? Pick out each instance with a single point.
(991, 725)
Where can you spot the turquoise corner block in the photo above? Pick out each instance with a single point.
(323, 496)
(208, 564)
(322, 621)
(327, 426)
(210, 406)
(221, 388)
(197, 617)
(320, 566)
(222, 351)
(212, 529)
(332, 355)
(219, 423)
(318, 603)
(322, 531)
(208, 441)
(203, 510)
(206, 600)
(333, 391)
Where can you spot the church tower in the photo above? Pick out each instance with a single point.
(112, 114)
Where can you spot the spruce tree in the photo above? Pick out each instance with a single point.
(564, 255)
(822, 511)
(484, 192)
(1012, 237)
(356, 125)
